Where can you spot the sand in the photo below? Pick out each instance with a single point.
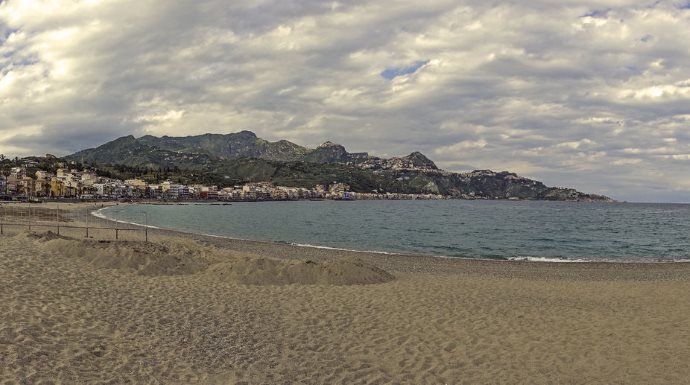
(196, 310)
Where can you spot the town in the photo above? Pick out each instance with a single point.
(17, 183)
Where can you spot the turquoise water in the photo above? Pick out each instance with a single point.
(473, 229)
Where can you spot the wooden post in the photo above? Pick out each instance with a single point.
(57, 217)
(87, 222)
(117, 233)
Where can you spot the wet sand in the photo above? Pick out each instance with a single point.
(188, 309)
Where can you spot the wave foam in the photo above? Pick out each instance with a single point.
(550, 259)
(101, 215)
(340, 248)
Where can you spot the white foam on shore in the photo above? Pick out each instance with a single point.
(580, 260)
(99, 214)
(343, 249)
(553, 259)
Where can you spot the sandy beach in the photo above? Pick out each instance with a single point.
(187, 309)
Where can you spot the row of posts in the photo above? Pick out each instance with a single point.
(57, 222)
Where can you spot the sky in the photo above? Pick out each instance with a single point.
(587, 94)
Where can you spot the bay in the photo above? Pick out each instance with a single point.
(535, 230)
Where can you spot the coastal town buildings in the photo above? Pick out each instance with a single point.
(87, 185)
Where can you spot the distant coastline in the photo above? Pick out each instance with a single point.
(243, 167)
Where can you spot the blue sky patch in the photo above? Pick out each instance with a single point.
(392, 73)
(5, 32)
(597, 13)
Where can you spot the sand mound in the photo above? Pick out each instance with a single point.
(180, 257)
(43, 237)
(172, 258)
(265, 271)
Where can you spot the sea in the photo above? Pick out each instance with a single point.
(510, 230)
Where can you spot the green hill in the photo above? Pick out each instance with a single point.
(242, 157)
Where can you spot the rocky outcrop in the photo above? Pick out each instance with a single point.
(414, 161)
(330, 152)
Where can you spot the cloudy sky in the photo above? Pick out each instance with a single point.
(589, 94)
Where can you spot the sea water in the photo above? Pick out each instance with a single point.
(533, 230)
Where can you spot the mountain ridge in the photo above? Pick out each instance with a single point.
(244, 157)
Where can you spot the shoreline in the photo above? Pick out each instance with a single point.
(539, 260)
(416, 263)
(191, 309)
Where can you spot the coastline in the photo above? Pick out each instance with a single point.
(580, 270)
(192, 309)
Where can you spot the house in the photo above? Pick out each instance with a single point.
(178, 191)
(18, 172)
(154, 191)
(42, 183)
(208, 193)
(40, 174)
(26, 186)
(89, 178)
(42, 187)
(98, 189)
(135, 187)
(72, 188)
(57, 187)
(12, 185)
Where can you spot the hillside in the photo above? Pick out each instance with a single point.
(244, 144)
(242, 157)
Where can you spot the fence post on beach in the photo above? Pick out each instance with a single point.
(2, 221)
(87, 222)
(146, 226)
(57, 218)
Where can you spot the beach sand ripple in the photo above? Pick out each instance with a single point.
(265, 271)
(84, 312)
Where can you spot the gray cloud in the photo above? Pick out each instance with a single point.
(579, 93)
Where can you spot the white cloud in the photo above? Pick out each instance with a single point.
(577, 145)
(461, 146)
(556, 90)
(627, 162)
(679, 90)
